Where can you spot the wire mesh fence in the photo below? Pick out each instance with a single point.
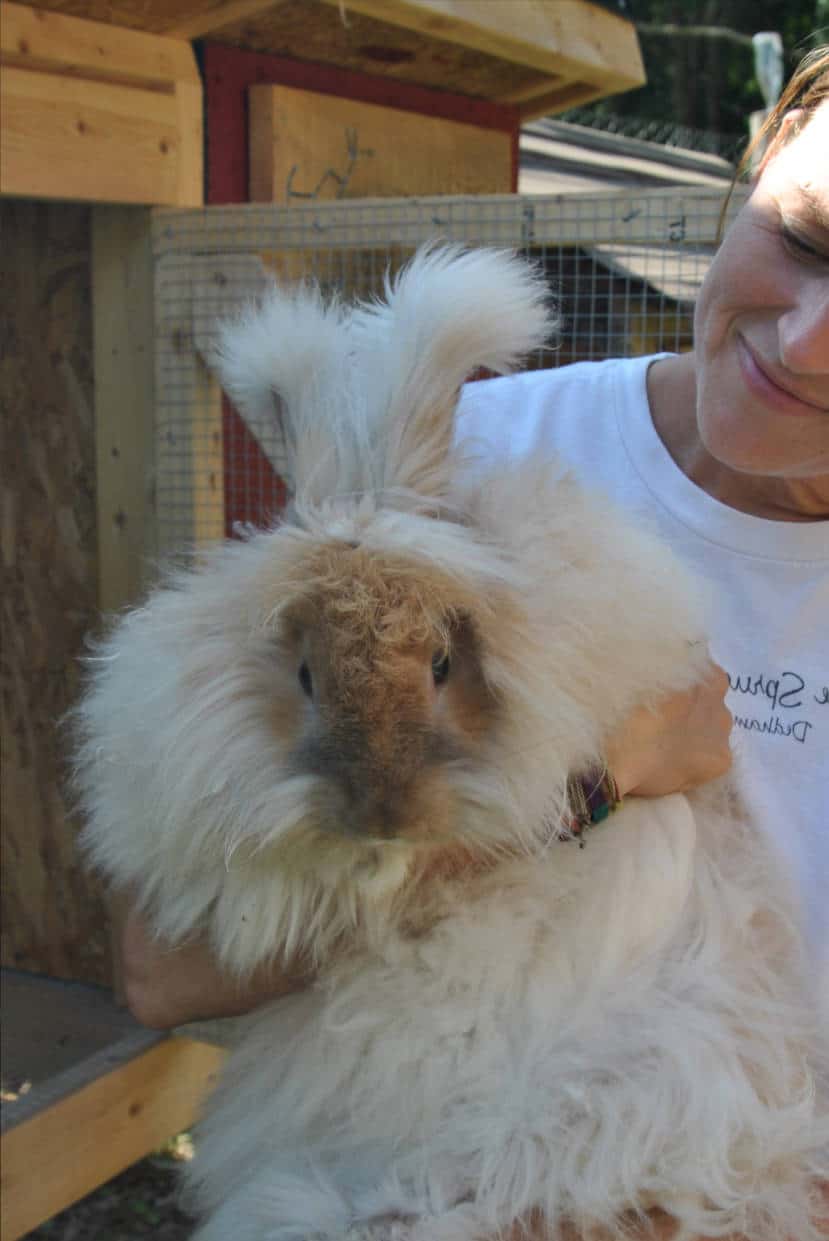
(624, 267)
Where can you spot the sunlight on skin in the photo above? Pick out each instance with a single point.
(660, 1228)
(746, 415)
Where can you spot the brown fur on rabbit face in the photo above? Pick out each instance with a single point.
(393, 693)
(383, 705)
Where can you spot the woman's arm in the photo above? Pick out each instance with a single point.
(167, 985)
(681, 742)
(660, 1227)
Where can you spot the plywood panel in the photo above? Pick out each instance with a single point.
(53, 917)
(315, 32)
(306, 146)
(567, 36)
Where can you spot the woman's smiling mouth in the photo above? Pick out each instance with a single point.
(762, 384)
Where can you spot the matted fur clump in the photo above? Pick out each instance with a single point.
(348, 738)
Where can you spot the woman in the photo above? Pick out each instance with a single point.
(726, 450)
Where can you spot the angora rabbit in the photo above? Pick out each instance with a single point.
(348, 739)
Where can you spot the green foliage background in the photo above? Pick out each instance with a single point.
(707, 82)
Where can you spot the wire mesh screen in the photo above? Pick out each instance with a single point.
(625, 269)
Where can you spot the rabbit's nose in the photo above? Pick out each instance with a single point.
(375, 811)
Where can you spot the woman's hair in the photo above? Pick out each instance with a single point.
(806, 90)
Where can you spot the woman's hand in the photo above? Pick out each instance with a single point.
(167, 985)
(659, 1227)
(675, 745)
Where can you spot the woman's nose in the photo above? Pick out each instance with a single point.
(803, 329)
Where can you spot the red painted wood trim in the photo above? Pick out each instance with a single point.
(229, 71)
(254, 494)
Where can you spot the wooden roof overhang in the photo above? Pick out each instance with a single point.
(101, 99)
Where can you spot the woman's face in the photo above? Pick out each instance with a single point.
(762, 321)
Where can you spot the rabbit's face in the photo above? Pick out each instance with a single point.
(388, 696)
(356, 742)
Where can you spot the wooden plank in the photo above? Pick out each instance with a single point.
(188, 448)
(73, 139)
(546, 95)
(122, 304)
(123, 349)
(570, 37)
(216, 15)
(37, 39)
(62, 1153)
(94, 114)
(308, 146)
(57, 1037)
(535, 86)
(559, 99)
(152, 16)
(189, 109)
(687, 215)
(190, 464)
(229, 72)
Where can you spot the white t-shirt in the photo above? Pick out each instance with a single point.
(770, 578)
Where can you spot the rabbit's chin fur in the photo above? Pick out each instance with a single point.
(504, 1022)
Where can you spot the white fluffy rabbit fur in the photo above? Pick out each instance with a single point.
(348, 739)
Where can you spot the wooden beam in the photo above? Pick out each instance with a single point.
(123, 366)
(189, 102)
(220, 13)
(122, 308)
(66, 1150)
(687, 215)
(573, 38)
(559, 99)
(540, 84)
(188, 439)
(97, 113)
(545, 95)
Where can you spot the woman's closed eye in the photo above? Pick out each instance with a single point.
(802, 247)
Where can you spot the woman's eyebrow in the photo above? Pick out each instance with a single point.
(816, 208)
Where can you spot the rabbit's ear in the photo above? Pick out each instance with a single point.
(448, 313)
(284, 360)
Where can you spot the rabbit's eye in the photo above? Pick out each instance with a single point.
(305, 679)
(440, 667)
